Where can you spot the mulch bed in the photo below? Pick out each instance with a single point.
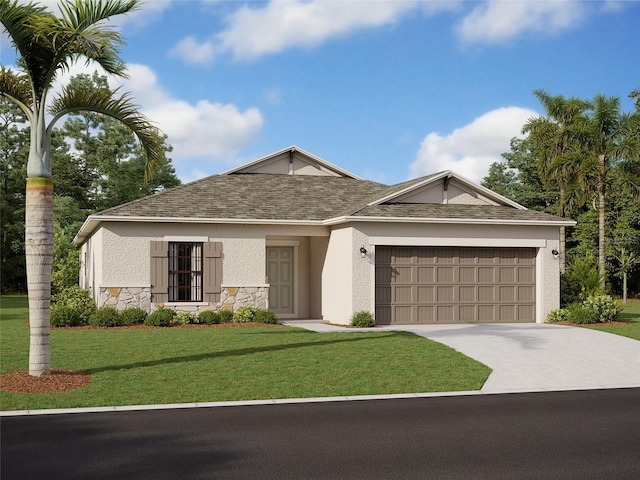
(58, 381)
(569, 324)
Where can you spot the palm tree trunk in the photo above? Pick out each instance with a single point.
(601, 237)
(39, 256)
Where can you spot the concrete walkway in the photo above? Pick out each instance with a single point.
(531, 357)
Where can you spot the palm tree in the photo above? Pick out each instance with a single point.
(611, 138)
(553, 140)
(47, 46)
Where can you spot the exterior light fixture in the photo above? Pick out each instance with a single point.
(555, 254)
(363, 251)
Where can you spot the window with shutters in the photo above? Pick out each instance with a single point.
(185, 272)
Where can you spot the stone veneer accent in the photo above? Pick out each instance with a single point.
(231, 298)
(126, 297)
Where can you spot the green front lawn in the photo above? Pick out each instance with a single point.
(630, 313)
(178, 365)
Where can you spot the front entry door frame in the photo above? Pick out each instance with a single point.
(294, 245)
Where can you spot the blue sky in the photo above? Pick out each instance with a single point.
(386, 89)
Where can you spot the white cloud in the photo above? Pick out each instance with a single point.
(206, 132)
(193, 52)
(500, 20)
(211, 132)
(471, 149)
(259, 31)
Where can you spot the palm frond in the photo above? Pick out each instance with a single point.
(107, 102)
(17, 88)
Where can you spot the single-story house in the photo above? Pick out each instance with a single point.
(305, 238)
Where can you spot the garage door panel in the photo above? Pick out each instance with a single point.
(486, 313)
(506, 275)
(425, 314)
(444, 314)
(486, 294)
(507, 294)
(467, 294)
(426, 294)
(526, 313)
(444, 274)
(486, 275)
(526, 275)
(455, 284)
(403, 294)
(467, 274)
(383, 315)
(526, 294)
(444, 294)
(426, 274)
(403, 314)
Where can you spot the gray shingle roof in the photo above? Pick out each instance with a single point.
(302, 198)
(254, 196)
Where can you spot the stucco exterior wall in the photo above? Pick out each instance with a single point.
(123, 249)
(91, 264)
(337, 278)
(317, 254)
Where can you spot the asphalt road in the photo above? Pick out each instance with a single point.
(564, 435)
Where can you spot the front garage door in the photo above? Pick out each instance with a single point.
(457, 284)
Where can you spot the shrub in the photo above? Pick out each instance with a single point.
(245, 314)
(78, 299)
(265, 316)
(580, 280)
(604, 307)
(558, 315)
(209, 317)
(184, 318)
(64, 316)
(160, 318)
(105, 317)
(363, 319)
(133, 316)
(577, 313)
(226, 316)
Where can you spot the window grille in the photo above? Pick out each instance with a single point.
(185, 272)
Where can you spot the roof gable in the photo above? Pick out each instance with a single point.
(292, 161)
(446, 188)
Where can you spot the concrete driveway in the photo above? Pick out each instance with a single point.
(531, 357)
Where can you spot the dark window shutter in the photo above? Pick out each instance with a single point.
(212, 252)
(160, 271)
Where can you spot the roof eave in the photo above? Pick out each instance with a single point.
(92, 222)
(467, 221)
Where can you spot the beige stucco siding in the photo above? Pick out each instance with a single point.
(337, 277)
(91, 262)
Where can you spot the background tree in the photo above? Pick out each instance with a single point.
(113, 161)
(14, 149)
(610, 140)
(557, 150)
(47, 45)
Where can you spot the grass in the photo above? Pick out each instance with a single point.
(630, 313)
(173, 365)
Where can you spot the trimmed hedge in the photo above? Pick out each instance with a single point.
(133, 316)
(209, 317)
(105, 317)
(160, 318)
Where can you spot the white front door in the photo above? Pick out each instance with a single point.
(280, 279)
